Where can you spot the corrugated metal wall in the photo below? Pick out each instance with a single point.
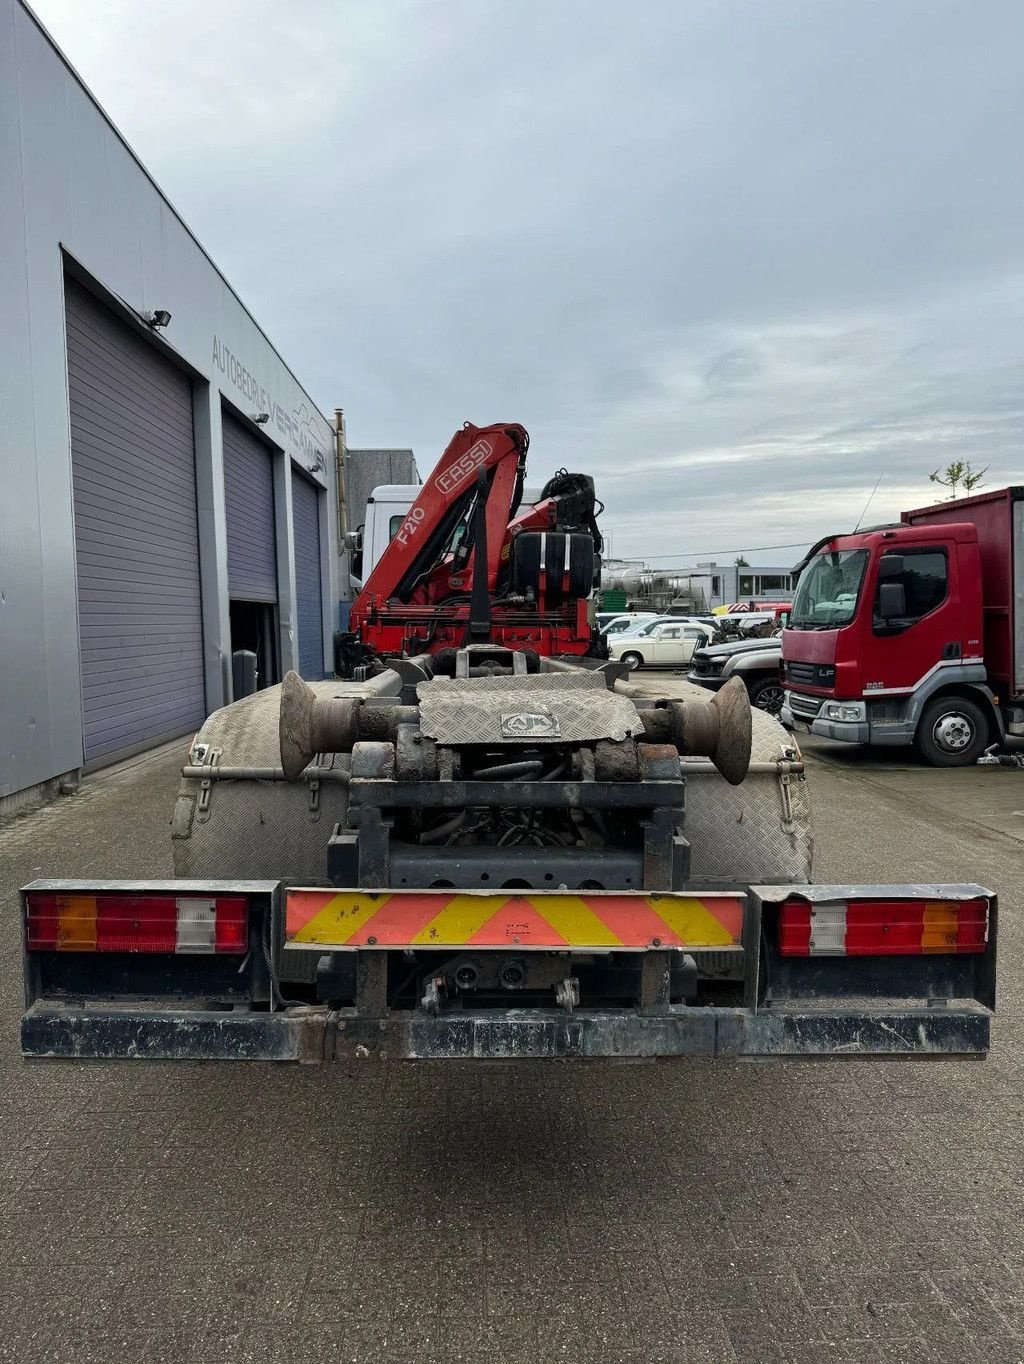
(249, 504)
(308, 596)
(136, 536)
(74, 188)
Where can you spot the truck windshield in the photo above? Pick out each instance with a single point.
(828, 590)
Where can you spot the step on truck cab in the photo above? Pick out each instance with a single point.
(914, 633)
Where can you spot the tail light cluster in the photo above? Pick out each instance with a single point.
(117, 922)
(882, 928)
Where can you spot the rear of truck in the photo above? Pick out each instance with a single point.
(998, 519)
(499, 864)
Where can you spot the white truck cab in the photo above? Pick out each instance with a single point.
(386, 509)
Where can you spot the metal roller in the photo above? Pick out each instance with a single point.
(311, 724)
(719, 729)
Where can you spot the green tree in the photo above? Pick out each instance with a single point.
(958, 476)
(740, 562)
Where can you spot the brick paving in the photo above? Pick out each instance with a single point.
(695, 1212)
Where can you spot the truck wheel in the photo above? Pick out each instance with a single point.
(632, 660)
(766, 693)
(952, 732)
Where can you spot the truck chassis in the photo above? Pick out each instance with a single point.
(512, 867)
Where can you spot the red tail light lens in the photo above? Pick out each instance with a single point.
(232, 926)
(115, 922)
(882, 928)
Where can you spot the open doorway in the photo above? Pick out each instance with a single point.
(254, 627)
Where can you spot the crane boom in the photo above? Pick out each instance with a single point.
(542, 562)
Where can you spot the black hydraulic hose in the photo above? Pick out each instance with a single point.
(441, 831)
(555, 772)
(525, 768)
(211, 772)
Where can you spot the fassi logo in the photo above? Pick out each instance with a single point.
(464, 467)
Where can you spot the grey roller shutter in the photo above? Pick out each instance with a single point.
(136, 536)
(308, 591)
(249, 500)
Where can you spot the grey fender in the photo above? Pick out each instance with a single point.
(962, 679)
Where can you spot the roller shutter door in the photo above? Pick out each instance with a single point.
(308, 591)
(249, 499)
(136, 535)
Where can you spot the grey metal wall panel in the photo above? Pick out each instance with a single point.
(71, 187)
(308, 589)
(136, 538)
(249, 504)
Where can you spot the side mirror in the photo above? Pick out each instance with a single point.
(892, 600)
(890, 566)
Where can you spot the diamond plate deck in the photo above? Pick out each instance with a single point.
(485, 710)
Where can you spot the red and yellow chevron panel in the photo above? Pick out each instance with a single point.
(595, 920)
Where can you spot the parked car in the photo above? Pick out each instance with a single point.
(620, 624)
(757, 661)
(642, 628)
(669, 645)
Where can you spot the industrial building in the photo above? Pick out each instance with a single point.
(168, 489)
(628, 582)
(369, 469)
(727, 583)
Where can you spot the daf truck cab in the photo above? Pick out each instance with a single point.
(914, 633)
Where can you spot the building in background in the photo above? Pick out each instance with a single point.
(725, 583)
(369, 469)
(633, 584)
(167, 486)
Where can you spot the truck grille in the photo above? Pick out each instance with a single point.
(801, 672)
(806, 707)
(705, 667)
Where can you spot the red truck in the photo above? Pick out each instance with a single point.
(914, 632)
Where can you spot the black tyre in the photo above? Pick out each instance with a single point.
(952, 732)
(632, 659)
(766, 693)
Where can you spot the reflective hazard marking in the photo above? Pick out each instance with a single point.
(459, 920)
(601, 921)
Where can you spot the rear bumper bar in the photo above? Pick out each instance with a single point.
(317, 1035)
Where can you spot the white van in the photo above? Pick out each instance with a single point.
(625, 622)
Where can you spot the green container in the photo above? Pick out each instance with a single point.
(613, 601)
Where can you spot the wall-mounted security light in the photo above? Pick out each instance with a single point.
(261, 418)
(159, 318)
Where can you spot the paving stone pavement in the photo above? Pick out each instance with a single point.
(692, 1212)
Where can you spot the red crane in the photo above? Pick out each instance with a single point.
(470, 565)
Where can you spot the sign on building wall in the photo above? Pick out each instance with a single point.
(298, 427)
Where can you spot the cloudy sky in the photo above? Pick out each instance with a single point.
(736, 259)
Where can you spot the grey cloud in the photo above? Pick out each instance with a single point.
(735, 259)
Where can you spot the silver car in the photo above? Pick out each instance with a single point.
(757, 661)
